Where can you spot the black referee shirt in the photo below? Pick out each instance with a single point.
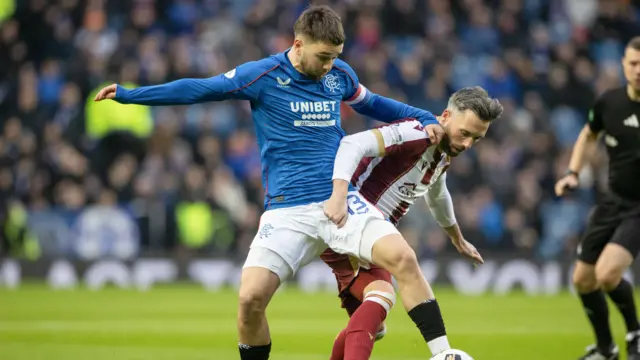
(618, 117)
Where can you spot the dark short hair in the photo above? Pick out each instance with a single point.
(320, 24)
(477, 100)
(634, 43)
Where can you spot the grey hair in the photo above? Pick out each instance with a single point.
(477, 100)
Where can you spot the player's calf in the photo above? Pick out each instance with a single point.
(358, 337)
(257, 286)
(596, 308)
(367, 280)
(380, 289)
(613, 262)
(392, 253)
(351, 305)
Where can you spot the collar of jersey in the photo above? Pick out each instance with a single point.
(291, 71)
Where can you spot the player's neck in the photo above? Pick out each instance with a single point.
(634, 94)
(295, 61)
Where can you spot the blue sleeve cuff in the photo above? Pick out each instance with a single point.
(428, 119)
(388, 110)
(121, 95)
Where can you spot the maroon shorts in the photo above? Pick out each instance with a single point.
(352, 279)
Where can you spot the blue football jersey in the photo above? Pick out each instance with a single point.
(297, 119)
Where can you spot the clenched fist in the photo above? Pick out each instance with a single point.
(435, 132)
(336, 210)
(568, 182)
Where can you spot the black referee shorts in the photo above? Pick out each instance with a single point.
(613, 221)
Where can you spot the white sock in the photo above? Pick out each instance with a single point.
(439, 345)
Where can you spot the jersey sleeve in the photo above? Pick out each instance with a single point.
(394, 138)
(596, 122)
(239, 84)
(440, 203)
(375, 106)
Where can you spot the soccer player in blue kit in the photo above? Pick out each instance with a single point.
(295, 100)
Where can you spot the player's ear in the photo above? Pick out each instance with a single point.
(297, 45)
(445, 117)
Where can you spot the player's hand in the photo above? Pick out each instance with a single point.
(469, 251)
(435, 132)
(107, 92)
(336, 210)
(567, 183)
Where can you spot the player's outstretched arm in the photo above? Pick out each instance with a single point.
(385, 109)
(382, 108)
(179, 92)
(441, 206)
(389, 110)
(237, 84)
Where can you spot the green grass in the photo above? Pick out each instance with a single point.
(186, 322)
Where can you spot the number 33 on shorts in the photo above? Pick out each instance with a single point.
(355, 204)
(364, 220)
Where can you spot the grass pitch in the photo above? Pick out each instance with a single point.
(186, 322)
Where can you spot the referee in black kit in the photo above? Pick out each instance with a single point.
(612, 239)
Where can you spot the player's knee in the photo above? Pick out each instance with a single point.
(386, 299)
(608, 278)
(252, 303)
(379, 285)
(396, 256)
(584, 283)
(405, 263)
(382, 292)
(584, 279)
(257, 286)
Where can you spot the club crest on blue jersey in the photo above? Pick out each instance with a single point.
(332, 82)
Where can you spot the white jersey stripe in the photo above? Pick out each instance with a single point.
(358, 97)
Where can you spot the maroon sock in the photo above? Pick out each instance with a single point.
(362, 329)
(337, 353)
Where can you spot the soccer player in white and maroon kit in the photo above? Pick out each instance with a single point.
(392, 166)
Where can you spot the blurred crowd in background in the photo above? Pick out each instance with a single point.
(89, 180)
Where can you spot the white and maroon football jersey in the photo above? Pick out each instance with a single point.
(410, 167)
